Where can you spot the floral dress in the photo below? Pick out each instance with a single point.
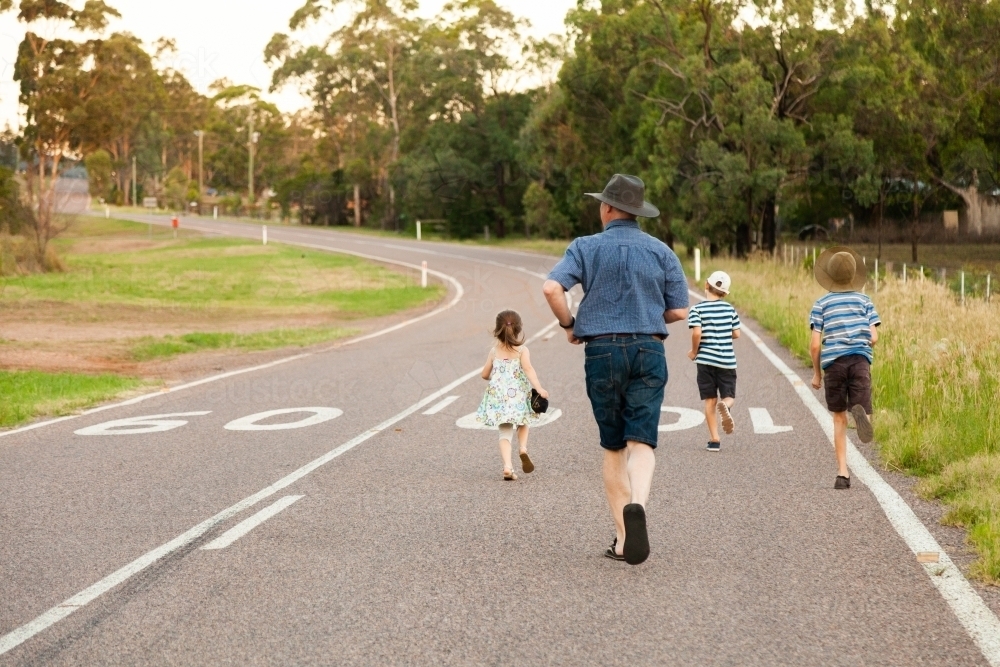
(507, 397)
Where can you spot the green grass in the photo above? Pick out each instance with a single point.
(29, 394)
(168, 346)
(936, 382)
(201, 272)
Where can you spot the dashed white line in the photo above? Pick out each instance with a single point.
(441, 406)
(248, 524)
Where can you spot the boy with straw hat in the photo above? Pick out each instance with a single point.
(844, 331)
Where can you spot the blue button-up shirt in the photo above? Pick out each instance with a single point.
(629, 279)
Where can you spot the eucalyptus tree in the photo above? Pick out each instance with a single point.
(360, 78)
(57, 78)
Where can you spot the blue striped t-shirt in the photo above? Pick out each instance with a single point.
(718, 320)
(844, 318)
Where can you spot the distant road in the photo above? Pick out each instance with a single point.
(332, 510)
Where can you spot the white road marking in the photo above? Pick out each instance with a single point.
(763, 424)
(248, 524)
(469, 421)
(249, 423)
(688, 419)
(441, 406)
(49, 618)
(549, 336)
(978, 620)
(137, 425)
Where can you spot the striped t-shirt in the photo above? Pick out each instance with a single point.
(718, 320)
(844, 318)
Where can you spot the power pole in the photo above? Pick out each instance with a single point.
(251, 140)
(133, 182)
(201, 166)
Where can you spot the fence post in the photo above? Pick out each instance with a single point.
(921, 273)
(963, 288)
(263, 233)
(814, 256)
(988, 287)
(215, 213)
(418, 230)
(697, 265)
(904, 273)
(423, 274)
(876, 275)
(486, 232)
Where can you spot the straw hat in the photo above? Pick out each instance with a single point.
(840, 269)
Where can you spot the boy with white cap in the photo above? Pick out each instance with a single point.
(714, 326)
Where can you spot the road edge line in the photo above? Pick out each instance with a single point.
(979, 621)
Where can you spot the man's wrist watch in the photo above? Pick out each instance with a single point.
(568, 326)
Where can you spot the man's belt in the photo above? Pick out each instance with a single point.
(587, 339)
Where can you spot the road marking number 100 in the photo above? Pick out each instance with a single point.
(168, 422)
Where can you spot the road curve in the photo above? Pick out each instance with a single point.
(374, 533)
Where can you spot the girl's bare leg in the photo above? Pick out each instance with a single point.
(522, 438)
(505, 455)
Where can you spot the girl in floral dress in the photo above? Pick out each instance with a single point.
(506, 404)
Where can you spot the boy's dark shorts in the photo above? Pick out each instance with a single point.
(848, 382)
(715, 382)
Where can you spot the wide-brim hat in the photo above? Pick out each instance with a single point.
(840, 269)
(626, 193)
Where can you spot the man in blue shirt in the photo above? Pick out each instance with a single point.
(634, 286)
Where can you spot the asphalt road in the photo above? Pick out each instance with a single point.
(405, 547)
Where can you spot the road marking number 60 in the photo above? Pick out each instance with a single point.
(168, 422)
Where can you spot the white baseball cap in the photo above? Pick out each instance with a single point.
(721, 281)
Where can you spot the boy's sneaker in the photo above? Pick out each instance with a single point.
(727, 418)
(864, 425)
(714, 446)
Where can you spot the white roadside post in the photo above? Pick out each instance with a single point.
(263, 233)
(921, 273)
(486, 232)
(418, 230)
(107, 211)
(697, 265)
(215, 213)
(963, 288)
(904, 273)
(423, 274)
(814, 255)
(988, 275)
(876, 275)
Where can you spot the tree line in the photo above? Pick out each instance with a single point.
(748, 119)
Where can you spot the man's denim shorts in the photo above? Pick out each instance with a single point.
(626, 377)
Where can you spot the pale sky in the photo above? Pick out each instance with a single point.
(221, 38)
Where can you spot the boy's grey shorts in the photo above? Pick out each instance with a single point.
(715, 382)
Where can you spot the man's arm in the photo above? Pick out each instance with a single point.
(675, 315)
(555, 295)
(815, 345)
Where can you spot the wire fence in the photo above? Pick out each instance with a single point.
(965, 283)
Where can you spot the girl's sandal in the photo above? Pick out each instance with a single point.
(509, 476)
(526, 464)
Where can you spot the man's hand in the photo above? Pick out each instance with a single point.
(692, 354)
(817, 381)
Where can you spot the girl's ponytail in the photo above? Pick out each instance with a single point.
(509, 329)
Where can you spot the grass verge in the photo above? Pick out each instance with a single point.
(936, 382)
(158, 348)
(28, 394)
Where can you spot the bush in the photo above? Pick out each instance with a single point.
(15, 216)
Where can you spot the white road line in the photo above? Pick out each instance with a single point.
(441, 406)
(977, 619)
(49, 618)
(763, 424)
(248, 524)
